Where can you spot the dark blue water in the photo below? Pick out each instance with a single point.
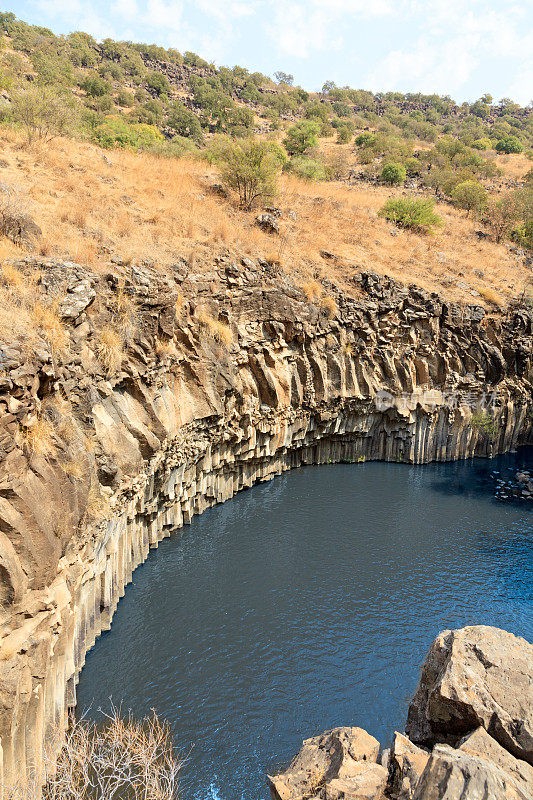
(310, 602)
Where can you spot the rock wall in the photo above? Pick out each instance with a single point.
(224, 379)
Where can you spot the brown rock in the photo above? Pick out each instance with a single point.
(455, 775)
(366, 783)
(476, 676)
(335, 754)
(407, 762)
(479, 743)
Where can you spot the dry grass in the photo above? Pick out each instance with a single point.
(491, 296)
(216, 329)
(328, 306)
(110, 348)
(39, 437)
(84, 206)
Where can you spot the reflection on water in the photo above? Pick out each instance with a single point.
(310, 602)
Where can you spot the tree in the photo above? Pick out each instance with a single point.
(184, 121)
(251, 168)
(158, 82)
(393, 174)
(302, 137)
(43, 112)
(510, 144)
(502, 214)
(284, 77)
(94, 86)
(469, 195)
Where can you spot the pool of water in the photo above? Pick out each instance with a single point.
(310, 602)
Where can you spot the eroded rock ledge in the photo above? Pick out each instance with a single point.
(225, 379)
(469, 733)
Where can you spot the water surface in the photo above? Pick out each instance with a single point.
(310, 602)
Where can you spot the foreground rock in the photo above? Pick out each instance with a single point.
(455, 775)
(471, 677)
(477, 679)
(339, 764)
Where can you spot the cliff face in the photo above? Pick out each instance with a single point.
(223, 379)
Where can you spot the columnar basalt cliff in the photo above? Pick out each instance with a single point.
(225, 379)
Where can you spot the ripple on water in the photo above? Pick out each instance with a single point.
(310, 602)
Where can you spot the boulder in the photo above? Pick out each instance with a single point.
(366, 783)
(267, 223)
(80, 296)
(407, 762)
(336, 754)
(475, 676)
(455, 775)
(19, 228)
(479, 743)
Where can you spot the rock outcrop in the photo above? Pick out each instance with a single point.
(471, 677)
(454, 694)
(169, 393)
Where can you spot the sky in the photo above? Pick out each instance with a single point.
(463, 48)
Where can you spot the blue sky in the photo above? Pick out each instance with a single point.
(458, 47)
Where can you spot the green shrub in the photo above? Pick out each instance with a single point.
(184, 121)
(310, 169)
(393, 174)
(251, 168)
(416, 214)
(344, 134)
(116, 132)
(158, 82)
(95, 86)
(302, 137)
(43, 112)
(510, 144)
(469, 195)
(365, 138)
(125, 99)
(482, 144)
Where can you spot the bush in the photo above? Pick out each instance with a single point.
(502, 214)
(310, 169)
(302, 137)
(94, 86)
(121, 758)
(125, 99)
(344, 134)
(365, 138)
(413, 213)
(116, 132)
(158, 82)
(184, 121)
(43, 112)
(510, 144)
(251, 168)
(469, 195)
(482, 144)
(393, 174)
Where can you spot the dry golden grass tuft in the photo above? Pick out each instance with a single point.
(216, 329)
(312, 290)
(39, 437)
(139, 206)
(110, 348)
(328, 306)
(491, 296)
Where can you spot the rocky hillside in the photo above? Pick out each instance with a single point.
(159, 395)
(469, 733)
